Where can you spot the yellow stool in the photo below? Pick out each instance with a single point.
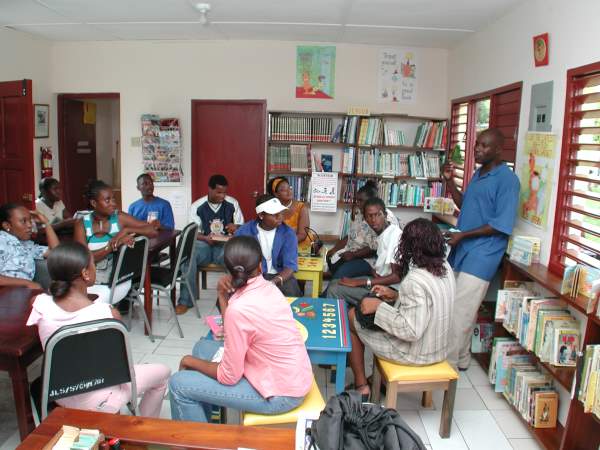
(208, 268)
(311, 269)
(400, 378)
(312, 405)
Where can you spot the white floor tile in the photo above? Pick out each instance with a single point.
(466, 400)
(492, 399)
(480, 430)
(170, 361)
(525, 444)
(477, 375)
(413, 419)
(463, 381)
(431, 423)
(165, 410)
(511, 424)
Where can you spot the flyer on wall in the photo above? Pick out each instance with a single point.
(161, 149)
(397, 74)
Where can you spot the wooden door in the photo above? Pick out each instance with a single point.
(77, 152)
(228, 138)
(16, 143)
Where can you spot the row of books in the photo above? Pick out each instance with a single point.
(589, 386)
(300, 186)
(370, 131)
(407, 194)
(299, 128)
(524, 249)
(419, 165)
(393, 136)
(295, 158)
(431, 135)
(348, 160)
(514, 373)
(542, 325)
(584, 281)
(346, 219)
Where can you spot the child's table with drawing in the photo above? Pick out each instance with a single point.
(326, 324)
(311, 269)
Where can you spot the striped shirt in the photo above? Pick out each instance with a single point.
(417, 326)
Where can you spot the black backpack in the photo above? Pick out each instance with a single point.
(348, 424)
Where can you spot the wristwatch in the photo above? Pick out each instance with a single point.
(369, 283)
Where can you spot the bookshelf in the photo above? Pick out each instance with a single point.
(581, 430)
(402, 153)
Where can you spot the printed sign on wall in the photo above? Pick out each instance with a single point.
(397, 73)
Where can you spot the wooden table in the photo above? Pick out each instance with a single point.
(328, 340)
(165, 238)
(311, 269)
(142, 430)
(19, 347)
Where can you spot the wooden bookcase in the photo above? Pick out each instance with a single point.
(581, 430)
(407, 124)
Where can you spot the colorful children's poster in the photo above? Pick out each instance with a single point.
(315, 72)
(397, 73)
(536, 178)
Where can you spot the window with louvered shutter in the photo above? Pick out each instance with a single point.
(458, 136)
(576, 237)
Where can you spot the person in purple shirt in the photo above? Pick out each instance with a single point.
(488, 209)
(150, 208)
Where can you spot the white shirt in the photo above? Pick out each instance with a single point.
(238, 217)
(55, 214)
(387, 244)
(265, 239)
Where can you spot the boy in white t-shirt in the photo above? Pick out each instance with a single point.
(388, 237)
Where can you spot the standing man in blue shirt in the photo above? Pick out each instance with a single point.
(278, 243)
(488, 209)
(150, 208)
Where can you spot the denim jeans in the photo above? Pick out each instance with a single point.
(205, 254)
(192, 393)
(353, 268)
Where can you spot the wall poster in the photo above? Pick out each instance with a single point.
(315, 71)
(161, 148)
(536, 178)
(397, 74)
(324, 191)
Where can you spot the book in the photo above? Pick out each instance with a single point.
(565, 346)
(481, 340)
(546, 409)
(215, 323)
(327, 162)
(569, 281)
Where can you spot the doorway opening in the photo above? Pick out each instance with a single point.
(89, 144)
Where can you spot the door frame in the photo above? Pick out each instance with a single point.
(195, 173)
(60, 104)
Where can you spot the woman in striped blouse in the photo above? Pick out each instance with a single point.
(415, 328)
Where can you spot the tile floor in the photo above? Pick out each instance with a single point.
(482, 419)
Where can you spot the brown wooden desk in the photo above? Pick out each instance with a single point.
(165, 238)
(19, 347)
(142, 430)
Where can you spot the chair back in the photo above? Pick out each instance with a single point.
(130, 263)
(185, 250)
(85, 357)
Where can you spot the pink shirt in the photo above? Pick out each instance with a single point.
(263, 344)
(49, 317)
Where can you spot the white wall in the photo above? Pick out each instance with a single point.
(107, 135)
(163, 78)
(24, 57)
(503, 54)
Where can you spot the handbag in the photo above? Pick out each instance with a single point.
(367, 321)
(347, 423)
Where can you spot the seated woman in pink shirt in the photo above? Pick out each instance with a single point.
(264, 367)
(72, 270)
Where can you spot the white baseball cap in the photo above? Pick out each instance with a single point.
(271, 206)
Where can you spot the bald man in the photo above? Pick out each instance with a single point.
(488, 209)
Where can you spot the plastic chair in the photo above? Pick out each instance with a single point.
(72, 364)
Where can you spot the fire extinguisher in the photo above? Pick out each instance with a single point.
(46, 165)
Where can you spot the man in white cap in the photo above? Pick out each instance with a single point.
(278, 243)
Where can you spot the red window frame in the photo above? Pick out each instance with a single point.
(576, 81)
(496, 116)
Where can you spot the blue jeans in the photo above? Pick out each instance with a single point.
(353, 268)
(205, 254)
(192, 393)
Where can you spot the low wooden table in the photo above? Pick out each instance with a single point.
(138, 432)
(311, 269)
(165, 238)
(19, 347)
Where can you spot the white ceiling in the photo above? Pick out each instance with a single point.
(424, 23)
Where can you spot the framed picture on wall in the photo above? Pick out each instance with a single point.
(41, 115)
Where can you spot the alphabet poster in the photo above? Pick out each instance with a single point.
(315, 72)
(536, 178)
(397, 73)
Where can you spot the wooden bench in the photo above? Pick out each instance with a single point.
(205, 269)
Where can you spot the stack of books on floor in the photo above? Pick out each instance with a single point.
(514, 373)
(589, 387)
(393, 137)
(300, 128)
(431, 135)
(542, 325)
(371, 131)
